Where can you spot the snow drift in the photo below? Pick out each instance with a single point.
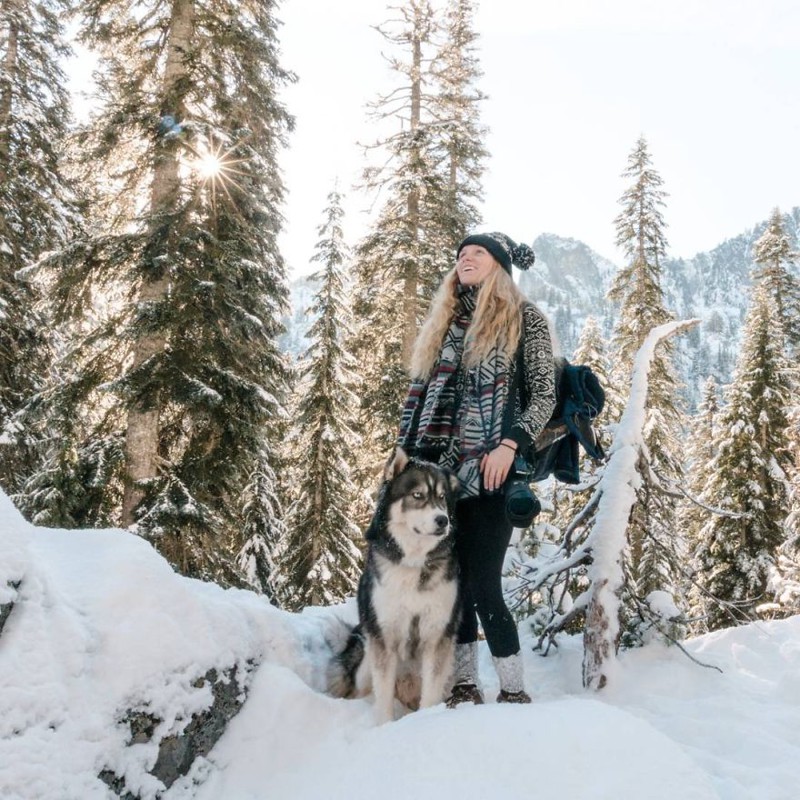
(100, 627)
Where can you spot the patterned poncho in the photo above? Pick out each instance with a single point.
(459, 414)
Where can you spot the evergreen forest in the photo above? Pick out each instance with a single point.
(152, 377)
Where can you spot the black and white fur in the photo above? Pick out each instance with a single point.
(408, 596)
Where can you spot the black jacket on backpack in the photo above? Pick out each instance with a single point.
(579, 399)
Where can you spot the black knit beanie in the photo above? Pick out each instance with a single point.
(505, 251)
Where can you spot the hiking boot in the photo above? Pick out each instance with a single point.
(464, 693)
(513, 697)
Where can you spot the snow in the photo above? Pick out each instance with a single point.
(662, 604)
(476, 752)
(101, 624)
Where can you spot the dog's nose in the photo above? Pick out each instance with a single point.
(441, 522)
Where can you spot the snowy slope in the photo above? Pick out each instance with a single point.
(101, 623)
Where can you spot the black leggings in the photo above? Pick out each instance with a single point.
(482, 538)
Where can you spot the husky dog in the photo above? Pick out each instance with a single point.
(408, 597)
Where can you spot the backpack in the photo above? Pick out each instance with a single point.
(579, 399)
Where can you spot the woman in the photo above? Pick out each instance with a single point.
(482, 389)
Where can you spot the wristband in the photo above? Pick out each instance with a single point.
(512, 449)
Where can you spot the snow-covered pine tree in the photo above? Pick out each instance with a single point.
(319, 559)
(735, 555)
(457, 111)
(392, 257)
(777, 269)
(181, 288)
(36, 213)
(429, 173)
(592, 351)
(702, 447)
(791, 547)
(784, 582)
(793, 523)
(637, 291)
(263, 529)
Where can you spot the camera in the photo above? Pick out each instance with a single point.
(522, 505)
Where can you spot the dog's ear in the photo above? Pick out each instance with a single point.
(396, 464)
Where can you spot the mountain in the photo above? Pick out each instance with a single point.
(569, 282)
(715, 287)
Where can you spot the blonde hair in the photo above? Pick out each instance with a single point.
(496, 322)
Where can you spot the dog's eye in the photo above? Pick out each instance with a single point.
(417, 495)
(440, 496)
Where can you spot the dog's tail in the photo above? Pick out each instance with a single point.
(343, 668)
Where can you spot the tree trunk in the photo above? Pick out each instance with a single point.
(411, 276)
(598, 646)
(9, 68)
(142, 433)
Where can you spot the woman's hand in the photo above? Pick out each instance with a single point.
(496, 464)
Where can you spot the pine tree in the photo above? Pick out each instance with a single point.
(592, 351)
(784, 582)
(36, 213)
(637, 290)
(393, 258)
(320, 560)
(702, 446)
(736, 554)
(457, 112)
(179, 366)
(575, 506)
(777, 270)
(429, 178)
(263, 529)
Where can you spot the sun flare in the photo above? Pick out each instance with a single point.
(209, 165)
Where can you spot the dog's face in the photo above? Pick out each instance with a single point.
(421, 495)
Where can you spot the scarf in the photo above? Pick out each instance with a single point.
(456, 416)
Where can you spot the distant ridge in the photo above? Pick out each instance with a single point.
(569, 282)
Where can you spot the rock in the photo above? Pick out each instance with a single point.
(6, 608)
(177, 752)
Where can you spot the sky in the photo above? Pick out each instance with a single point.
(711, 84)
(101, 624)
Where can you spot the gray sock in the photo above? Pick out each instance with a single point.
(509, 670)
(466, 669)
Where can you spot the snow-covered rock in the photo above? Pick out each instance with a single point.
(102, 635)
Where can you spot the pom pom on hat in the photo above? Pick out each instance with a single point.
(503, 249)
(522, 256)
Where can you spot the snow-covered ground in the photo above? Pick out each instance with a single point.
(101, 625)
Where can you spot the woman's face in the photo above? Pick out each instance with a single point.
(474, 264)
